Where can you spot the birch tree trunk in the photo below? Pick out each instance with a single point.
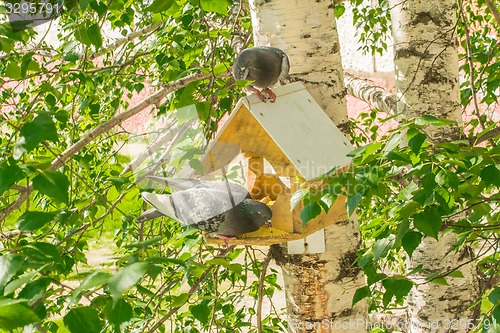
(426, 64)
(319, 287)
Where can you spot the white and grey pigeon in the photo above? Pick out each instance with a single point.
(264, 65)
(217, 207)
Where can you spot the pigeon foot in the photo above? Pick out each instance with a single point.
(252, 89)
(271, 94)
(225, 239)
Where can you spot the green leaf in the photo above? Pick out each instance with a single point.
(9, 265)
(179, 300)
(393, 142)
(94, 35)
(372, 276)
(447, 179)
(126, 278)
(42, 252)
(415, 270)
(456, 274)
(365, 259)
(201, 312)
(494, 296)
(95, 279)
(440, 281)
(30, 221)
(186, 113)
(382, 247)
(216, 6)
(360, 293)
(411, 241)
(218, 261)
(416, 142)
(144, 244)
(53, 184)
(365, 151)
(119, 312)
(309, 212)
(35, 290)
(16, 315)
(197, 166)
(13, 71)
(42, 128)
(397, 286)
(408, 210)
(159, 6)
(431, 120)
(17, 283)
(83, 319)
(491, 175)
(9, 175)
(339, 10)
(297, 197)
(352, 203)
(428, 222)
(220, 68)
(401, 231)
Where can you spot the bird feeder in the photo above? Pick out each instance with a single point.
(301, 143)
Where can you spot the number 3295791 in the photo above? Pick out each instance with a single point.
(32, 8)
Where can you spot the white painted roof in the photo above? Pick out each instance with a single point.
(301, 129)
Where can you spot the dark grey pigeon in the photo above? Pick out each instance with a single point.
(264, 66)
(218, 207)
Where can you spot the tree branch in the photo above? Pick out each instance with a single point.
(262, 277)
(119, 118)
(375, 96)
(487, 136)
(494, 10)
(127, 39)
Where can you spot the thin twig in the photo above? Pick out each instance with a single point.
(127, 39)
(494, 10)
(191, 291)
(116, 120)
(471, 68)
(265, 264)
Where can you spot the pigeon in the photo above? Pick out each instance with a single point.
(218, 207)
(264, 66)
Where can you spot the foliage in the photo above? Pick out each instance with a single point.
(373, 23)
(404, 193)
(66, 188)
(480, 57)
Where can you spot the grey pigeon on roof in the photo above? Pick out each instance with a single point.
(218, 207)
(264, 66)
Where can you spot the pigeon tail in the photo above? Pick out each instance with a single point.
(150, 214)
(162, 203)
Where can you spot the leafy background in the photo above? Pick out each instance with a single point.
(66, 188)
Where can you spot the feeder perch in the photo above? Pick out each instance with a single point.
(300, 142)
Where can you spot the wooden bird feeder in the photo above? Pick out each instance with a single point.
(300, 142)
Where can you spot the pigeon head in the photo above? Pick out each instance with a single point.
(258, 212)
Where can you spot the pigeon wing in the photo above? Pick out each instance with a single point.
(196, 205)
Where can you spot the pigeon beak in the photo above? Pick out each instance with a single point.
(268, 224)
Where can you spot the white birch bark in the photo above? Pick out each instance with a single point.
(426, 64)
(426, 60)
(319, 288)
(307, 32)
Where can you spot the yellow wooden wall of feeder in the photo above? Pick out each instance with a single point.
(299, 141)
